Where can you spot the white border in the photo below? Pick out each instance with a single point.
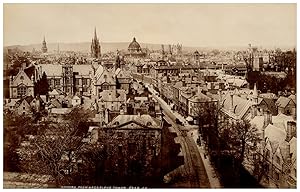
(135, 1)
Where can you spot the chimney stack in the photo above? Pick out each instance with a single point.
(291, 130)
(231, 102)
(23, 66)
(267, 118)
(199, 90)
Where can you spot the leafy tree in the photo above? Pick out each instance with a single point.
(42, 85)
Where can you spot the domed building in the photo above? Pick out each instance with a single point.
(135, 50)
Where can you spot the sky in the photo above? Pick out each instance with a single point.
(189, 24)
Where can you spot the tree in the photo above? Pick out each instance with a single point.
(243, 133)
(60, 151)
(226, 140)
(43, 85)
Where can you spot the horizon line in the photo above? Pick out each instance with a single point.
(196, 46)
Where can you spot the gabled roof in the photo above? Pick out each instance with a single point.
(200, 97)
(269, 103)
(53, 92)
(293, 97)
(240, 106)
(27, 99)
(75, 97)
(283, 101)
(145, 121)
(275, 135)
(105, 76)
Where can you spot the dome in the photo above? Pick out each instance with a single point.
(134, 46)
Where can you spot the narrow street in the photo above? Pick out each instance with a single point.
(192, 173)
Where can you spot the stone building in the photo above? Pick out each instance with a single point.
(274, 160)
(69, 79)
(135, 50)
(133, 146)
(21, 85)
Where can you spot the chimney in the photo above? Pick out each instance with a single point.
(267, 118)
(220, 94)
(231, 102)
(199, 90)
(23, 66)
(286, 151)
(291, 130)
(294, 112)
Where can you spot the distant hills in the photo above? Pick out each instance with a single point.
(113, 46)
(105, 47)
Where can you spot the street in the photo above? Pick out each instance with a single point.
(193, 169)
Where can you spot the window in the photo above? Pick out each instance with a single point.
(77, 81)
(22, 91)
(84, 81)
(277, 159)
(295, 171)
(84, 89)
(22, 78)
(120, 134)
(105, 87)
(276, 176)
(57, 82)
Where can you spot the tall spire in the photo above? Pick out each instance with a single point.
(255, 94)
(95, 34)
(95, 46)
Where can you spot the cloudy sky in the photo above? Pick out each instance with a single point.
(189, 24)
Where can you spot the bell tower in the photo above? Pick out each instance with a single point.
(67, 73)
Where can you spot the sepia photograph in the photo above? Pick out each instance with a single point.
(149, 95)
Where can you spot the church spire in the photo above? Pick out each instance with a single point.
(255, 93)
(95, 34)
(95, 46)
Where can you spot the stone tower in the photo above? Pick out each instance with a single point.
(67, 72)
(44, 46)
(95, 47)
